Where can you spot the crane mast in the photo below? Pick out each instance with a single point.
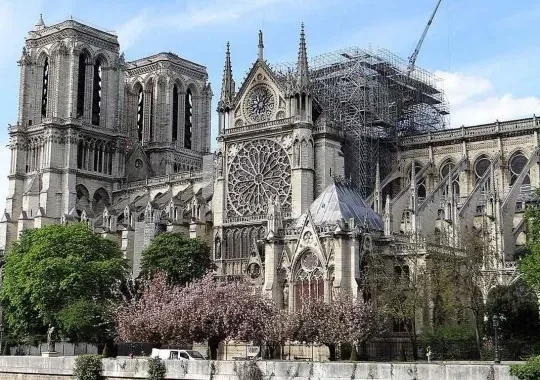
(412, 58)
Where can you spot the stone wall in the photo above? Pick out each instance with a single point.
(38, 368)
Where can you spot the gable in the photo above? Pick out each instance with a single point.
(137, 164)
(260, 98)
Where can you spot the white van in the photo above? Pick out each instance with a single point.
(174, 354)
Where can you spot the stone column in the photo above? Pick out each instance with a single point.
(74, 84)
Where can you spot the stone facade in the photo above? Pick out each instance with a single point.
(125, 146)
(95, 134)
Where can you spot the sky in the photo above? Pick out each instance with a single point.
(485, 51)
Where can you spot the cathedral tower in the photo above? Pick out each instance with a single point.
(66, 148)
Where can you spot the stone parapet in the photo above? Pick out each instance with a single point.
(33, 367)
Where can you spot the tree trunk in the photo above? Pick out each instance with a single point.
(332, 348)
(477, 334)
(213, 345)
(354, 353)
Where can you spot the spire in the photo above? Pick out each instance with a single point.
(40, 24)
(302, 65)
(227, 86)
(261, 46)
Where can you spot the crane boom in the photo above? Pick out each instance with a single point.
(412, 58)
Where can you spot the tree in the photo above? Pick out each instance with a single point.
(182, 259)
(204, 310)
(278, 330)
(344, 320)
(63, 276)
(517, 307)
(399, 287)
(529, 265)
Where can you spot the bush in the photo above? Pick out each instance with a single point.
(451, 343)
(528, 371)
(87, 367)
(156, 369)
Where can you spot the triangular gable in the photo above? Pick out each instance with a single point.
(260, 75)
(309, 239)
(284, 261)
(137, 170)
(251, 76)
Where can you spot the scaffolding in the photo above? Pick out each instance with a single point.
(372, 98)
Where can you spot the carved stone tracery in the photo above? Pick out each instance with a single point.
(260, 170)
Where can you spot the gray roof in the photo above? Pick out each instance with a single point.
(341, 202)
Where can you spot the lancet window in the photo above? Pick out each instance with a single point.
(140, 113)
(308, 278)
(81, 84)
(96, 93)
(175, 114)
(189, 119)
(45, 88)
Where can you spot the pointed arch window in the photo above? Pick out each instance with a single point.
(481, 167)
(309, 283)
(81, 84)
(189, 119)
(45, 88)
(517, 163)
(140, 113)
(96, 93)
(175, 114)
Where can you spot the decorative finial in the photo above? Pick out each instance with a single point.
(261, 45)
(40, 24)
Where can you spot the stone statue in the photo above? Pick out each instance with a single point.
(50, 339)
(286, 295)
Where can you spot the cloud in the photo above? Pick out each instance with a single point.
(215, 12)
(193, 15)
(130, 31)
(474, 100)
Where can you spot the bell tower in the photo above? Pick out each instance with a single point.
(66, 148)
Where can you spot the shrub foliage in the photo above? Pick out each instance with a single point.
(156, 369)
(528, 371)
(87, 367)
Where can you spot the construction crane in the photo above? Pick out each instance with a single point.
(412, 58)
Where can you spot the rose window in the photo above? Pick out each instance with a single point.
(259, 103)
(310, 261)
(260, 171)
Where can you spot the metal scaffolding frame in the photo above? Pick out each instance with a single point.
(371, 96)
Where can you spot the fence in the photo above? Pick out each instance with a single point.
(382, 350)
(63, 349)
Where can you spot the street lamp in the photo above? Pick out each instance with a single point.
(496, 328)
(1, 338)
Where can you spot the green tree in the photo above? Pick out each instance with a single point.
(63, 276)
(517, 306)
(529, 265)
(182, 259)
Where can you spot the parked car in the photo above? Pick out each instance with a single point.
(173, 354)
